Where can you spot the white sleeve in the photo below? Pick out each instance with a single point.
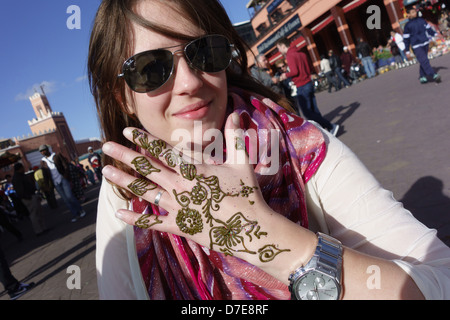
(346, 201)
(115, 257)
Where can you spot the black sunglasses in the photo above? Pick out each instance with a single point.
(150, 70)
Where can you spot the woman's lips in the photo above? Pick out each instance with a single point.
(193, 111)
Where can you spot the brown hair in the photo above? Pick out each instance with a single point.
(111, 43)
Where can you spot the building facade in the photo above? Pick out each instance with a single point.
(48, 128)
(317, 26)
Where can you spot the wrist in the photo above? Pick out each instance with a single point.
(298, 245)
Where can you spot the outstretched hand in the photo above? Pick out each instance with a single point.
(217, 206)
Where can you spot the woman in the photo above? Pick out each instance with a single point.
(213, 219)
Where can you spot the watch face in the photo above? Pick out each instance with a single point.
(315, 285)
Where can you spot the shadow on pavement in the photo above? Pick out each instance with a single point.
(428, 203)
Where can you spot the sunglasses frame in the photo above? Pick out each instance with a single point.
(128, 61)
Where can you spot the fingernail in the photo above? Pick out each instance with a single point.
(236, 120)
(107, 171)
(128, 132)
(107, 147)
(119, 215)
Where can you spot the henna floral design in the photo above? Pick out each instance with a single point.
(269, 252)
(140, 186)
(230, 236)
(144, 221)
(143, 166)
(189, 221)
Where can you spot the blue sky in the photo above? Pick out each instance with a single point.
(38, 48)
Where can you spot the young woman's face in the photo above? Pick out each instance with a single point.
(189, 95)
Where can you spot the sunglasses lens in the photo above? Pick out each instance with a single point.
(147, 71)
(210, 53)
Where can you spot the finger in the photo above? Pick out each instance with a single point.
(159, 149)
(144, 221)
(235, 141)
(141, 164)
(140, 187)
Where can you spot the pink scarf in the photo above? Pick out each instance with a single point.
(173, 267)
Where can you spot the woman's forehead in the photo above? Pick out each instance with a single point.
(168, 15)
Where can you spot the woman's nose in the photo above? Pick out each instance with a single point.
(187, 80)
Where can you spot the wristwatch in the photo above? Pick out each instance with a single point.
(320, 278)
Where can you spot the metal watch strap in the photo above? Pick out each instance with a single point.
(329, 253)
(327, 258)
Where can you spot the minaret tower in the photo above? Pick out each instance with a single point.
(47, 121)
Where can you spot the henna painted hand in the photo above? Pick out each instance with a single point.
(217, 206)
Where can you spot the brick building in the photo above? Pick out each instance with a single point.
(48, 128)
(317, 26)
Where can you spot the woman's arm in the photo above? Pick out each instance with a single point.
(206, 203)
(389, 254)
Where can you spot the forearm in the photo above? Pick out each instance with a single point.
(363, 276)
(367, 277)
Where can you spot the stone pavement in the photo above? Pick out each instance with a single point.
(45, 260)
(398, 127)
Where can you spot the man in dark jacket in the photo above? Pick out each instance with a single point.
(416, 34)
(364, 53)
(26, 190)
(336, 66)
(300, 73)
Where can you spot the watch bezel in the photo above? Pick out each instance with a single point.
(308, 273)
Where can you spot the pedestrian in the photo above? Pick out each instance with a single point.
(398, 39)
(347, 60)
(262, 72)
(364, 53)
(60, 174)
(300, 73)
(95, 161)
(288, 86)
(198, 228)
(14, 288)
(325, 68)
(76, 177)
(395, 51)
(417, 34)
(42, 176)
(336, 66)
(90, 175)
(25, 187)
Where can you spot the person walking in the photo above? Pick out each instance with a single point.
(59, 168)
(42, 176)
(25, 187)
(398, 39)
(325, 68)
(347, 60)
(300, 73)
(262, 72)
(95, 161)
(417, 35)
(90, 175)
(336, 67)
(365, 55)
